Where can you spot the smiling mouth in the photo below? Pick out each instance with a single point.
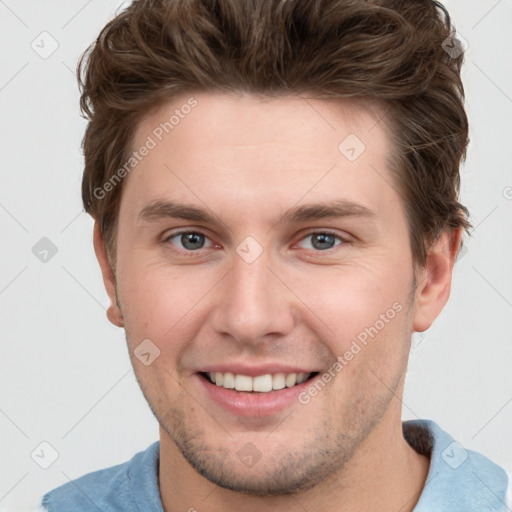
(260, 384)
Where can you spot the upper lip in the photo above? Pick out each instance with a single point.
(253, 370)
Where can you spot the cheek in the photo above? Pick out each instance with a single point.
(351, 298)
(157, 300)
(366, 308)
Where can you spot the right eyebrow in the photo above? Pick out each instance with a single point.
(157, 210)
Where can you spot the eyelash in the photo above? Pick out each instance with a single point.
(190, 253)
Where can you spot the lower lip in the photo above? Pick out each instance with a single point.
(253, 404)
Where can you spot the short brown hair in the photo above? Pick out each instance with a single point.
(385, 51)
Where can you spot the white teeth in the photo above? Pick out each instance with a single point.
(301, 377)
(260, 384)
(229, 381)
(243, 383)
(278, 381)
(291, 380)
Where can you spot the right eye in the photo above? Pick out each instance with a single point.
(188, 241)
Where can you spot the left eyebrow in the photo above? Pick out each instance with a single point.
(332, 209)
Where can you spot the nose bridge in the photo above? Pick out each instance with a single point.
(254, 302)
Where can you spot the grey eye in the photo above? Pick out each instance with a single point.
(321, 241)
(190, 240)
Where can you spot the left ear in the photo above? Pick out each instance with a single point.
(435, 279)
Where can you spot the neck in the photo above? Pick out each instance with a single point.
(385, 473)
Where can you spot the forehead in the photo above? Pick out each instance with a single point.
(299, 122)
(247, 151)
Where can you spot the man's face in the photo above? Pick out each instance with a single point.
(256, 290)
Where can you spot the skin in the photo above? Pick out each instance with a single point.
(249, 160)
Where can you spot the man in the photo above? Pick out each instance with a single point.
(275, 190)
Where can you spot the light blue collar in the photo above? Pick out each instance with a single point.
(459, 480)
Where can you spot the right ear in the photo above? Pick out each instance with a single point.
(113, 312)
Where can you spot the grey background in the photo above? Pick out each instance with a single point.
(65, 375)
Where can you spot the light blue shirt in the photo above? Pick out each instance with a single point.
(459, 480)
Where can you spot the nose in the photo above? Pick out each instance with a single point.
(253, 302)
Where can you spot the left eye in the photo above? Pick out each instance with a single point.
(322, 241)
(190, 240)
